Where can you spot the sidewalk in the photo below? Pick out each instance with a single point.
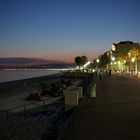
(113, 115)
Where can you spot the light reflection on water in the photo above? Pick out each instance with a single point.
(11, 75)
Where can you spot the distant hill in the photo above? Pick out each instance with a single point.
(21, 62)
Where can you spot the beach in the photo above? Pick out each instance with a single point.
(12, 98)
(13, 93)
(34, 120)
(40, 120)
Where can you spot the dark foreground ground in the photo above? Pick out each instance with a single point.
(113, 115)
(41, 123)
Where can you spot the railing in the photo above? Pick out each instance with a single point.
(24, 108)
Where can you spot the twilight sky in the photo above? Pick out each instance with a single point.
(63, 29)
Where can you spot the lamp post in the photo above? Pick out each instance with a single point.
(97, 63)
(112, 61)
(129, 56)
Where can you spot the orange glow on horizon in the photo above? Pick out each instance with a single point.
(64, 57)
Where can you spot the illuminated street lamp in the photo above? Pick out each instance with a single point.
(133, 60)
(97, 60)
(113, 47)
(113, 58)
(119, 62)
(129, 54)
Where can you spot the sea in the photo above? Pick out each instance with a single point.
(19, 74)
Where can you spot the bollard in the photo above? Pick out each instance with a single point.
(93, 91)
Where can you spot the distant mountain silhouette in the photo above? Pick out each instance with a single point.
(20, 62)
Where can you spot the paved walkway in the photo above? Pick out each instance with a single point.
(113, 115)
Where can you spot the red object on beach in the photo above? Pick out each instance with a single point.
(34, 96)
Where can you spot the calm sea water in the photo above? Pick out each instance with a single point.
(11, 75)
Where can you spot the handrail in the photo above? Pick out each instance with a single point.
(25, 108)
(23, 105)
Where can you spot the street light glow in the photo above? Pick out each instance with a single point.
(97, 60)
(113, 58)
(133, 60)
(129, 54)
(85, 65)
(119, 62)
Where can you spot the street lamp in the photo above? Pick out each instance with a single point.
(119, 62)
(133, 60)
(97, 60)
(113, 47)
(129, 54)
(113, 58)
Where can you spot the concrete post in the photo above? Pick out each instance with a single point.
(71, 98)
(80, 91)
(93, 91)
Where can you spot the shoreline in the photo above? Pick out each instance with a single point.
(9, 85)
(14, 93)
(14, 75)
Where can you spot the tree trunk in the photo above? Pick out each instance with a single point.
(136, 67)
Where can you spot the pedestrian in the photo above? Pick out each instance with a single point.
(100, 75)
(109, 72)
(106, 72)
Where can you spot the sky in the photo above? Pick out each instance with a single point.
(64, 29)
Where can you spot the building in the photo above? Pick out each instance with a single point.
(126, 56)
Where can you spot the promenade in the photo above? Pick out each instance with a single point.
(113, 115)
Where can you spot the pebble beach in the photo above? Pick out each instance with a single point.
(39, 121)
(14, 93)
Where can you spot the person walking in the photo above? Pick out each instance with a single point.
(109, 72)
